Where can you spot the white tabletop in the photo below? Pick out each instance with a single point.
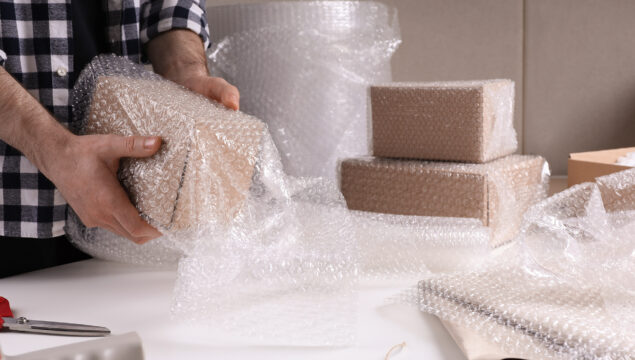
(128, 298)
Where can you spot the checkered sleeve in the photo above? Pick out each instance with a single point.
(3, 57)
(163, 15)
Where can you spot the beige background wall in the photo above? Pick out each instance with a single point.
(573, 62)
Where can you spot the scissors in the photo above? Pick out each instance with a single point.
(45, 327)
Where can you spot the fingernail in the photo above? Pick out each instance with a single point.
(149, 143)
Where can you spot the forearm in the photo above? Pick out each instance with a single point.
(177, 54)
(26, 125)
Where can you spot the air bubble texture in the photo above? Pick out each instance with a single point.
(497, 193)
(466, 121)
(304, 68)
(564, 290)
(263, 257)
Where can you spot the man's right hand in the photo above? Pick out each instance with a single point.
(85, 172)
(83, 168)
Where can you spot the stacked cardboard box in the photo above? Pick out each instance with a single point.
(421, 131)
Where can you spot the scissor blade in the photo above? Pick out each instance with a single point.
(54, 328)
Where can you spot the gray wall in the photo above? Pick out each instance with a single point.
(573, 62)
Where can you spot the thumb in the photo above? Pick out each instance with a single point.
(135, 146)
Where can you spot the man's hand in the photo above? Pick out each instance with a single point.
(83, 168)
(86, 175)
(178, 55)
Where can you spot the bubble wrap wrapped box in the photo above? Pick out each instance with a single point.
(565, 290)
(262, 257)
(497, 193)
(467, 121)
(167, 188)
(304, 67)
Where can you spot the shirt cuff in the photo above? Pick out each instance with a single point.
(3, 57)
(161, 16)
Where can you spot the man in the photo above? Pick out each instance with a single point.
(43, 46)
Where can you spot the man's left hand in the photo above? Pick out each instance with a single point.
(178, 55)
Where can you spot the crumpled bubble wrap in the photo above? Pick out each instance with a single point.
(273, 262)
(565, 290)
(466, 121)
(304, 68)
(497, 192)
(627, 160)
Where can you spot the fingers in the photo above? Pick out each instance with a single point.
(134, 146)
(116, 214)
(139, 231)
(220, 90)
(127, 217)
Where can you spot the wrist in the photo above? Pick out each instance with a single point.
(49, 147)
(180, 72)
(178, 55)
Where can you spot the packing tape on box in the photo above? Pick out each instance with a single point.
(262, 256)
(565, 290)
(304, 68)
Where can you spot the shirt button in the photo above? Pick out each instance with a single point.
(61, 72)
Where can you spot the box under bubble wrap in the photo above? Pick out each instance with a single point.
(166, 188)
(466, 121)
(266, 258)
(565, 290)
(304, 68)
(497, 193)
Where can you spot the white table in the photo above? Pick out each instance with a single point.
(128, 298)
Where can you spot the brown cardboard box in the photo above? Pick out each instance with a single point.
(466, 121)
(497, 193)
(586, 166)
(204, 168)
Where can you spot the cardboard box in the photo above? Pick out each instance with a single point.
(465, 121)
(586, 166)
(204, 169)
(497, 193)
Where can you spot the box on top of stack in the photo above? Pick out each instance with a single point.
(466, 121)
(415, 124)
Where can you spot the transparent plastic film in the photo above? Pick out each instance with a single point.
(564, 290)
(304, 69)
(266, 257)
(495, 193)
(464, 121)
(256, 250)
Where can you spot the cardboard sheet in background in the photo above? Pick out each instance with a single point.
(586, 166)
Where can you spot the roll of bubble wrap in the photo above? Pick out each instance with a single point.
(467, 121)
(497, 193)
(304, 69)
(566, 290)
(279, 266)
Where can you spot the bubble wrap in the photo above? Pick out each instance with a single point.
(627, 160)
(467, 121)
(265, 257)
(566, 290)
(304, 68)
(497, 193)
(184, 168)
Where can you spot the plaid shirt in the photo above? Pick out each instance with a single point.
(36, 48)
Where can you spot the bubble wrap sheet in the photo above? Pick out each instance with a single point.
(264, 257)
(304, 68)
(497, 193)
(566, 290)
(466, 121)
